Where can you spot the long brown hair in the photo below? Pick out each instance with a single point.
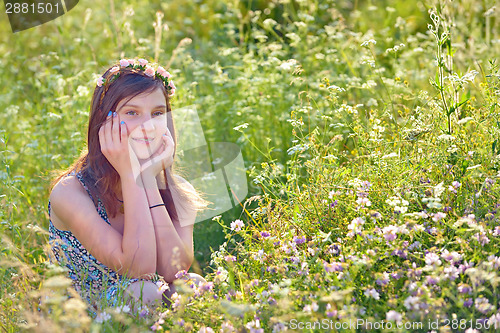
(98, 174)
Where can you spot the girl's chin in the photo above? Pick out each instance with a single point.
(144, 152)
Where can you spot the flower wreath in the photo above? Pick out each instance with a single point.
(142, 65)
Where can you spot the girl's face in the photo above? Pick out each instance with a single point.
(146, 119)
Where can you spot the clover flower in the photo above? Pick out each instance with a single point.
(394, 316)
(372, 293)
(390, 232)
(483, 305)
(432, 259)
(237, 225)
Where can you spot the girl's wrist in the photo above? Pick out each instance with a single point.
(149, 180)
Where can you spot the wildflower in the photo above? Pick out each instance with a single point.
(254, 326)
(452, 257)
(237, 225)
(229, 258)
(372, 293)
(411, 302)
(364, 202)
(299, 240)
(221, 275)
(157, 325)
(394, 316)
(313, 307)
(162, 287)
(494, 261)
(432, 259)
(464, 288)
(334, 87)
(265, 234)
(102, 317)
(289, 64)
(383, 280)
(333, 267)
(367, 43)
(279, 327)
(330, 312)
(390, 232)
(431, 280)
(438, 216)
(483, 305)
(205, 329)
(181, 274)
(482, 238)
(451, 273)
(227, 327)
(259, 256)
(494, 320)
(356, 225)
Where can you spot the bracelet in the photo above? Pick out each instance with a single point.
(162, 204)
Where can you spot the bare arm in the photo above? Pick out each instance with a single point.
(134, 253)
(139, 240)
(174, 244)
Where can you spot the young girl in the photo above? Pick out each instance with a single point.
(120, 220)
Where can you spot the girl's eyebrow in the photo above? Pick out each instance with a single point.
(161, 106)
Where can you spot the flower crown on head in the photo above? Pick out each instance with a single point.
(142, 65)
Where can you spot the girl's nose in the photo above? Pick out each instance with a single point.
(148, 124)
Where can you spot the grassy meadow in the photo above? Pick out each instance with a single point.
(370, 132)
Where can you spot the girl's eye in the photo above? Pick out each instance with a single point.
(158, 113)
(130, 112)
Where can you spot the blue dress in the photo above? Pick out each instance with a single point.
(95, 282)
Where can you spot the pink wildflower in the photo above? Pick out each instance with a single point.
(237, 225)
(124, 62)
(150, 71)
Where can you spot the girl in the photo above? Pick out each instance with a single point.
(120, 220)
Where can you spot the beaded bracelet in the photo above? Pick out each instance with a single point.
(162, 204)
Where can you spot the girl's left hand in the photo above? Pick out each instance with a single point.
(161, 159)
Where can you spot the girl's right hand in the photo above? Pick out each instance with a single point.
(113, 137)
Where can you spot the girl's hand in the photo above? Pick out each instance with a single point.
(161, 159)
(113, 137)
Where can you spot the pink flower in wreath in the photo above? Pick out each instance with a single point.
(160, 70)
(150, 71)
(143, 62)
(124, 62)
(100, 81)
(114, 70)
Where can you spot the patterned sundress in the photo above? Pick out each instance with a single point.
(95, 282)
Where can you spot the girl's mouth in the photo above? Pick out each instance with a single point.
(145, 141)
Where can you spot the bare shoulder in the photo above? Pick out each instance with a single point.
(63, 201)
